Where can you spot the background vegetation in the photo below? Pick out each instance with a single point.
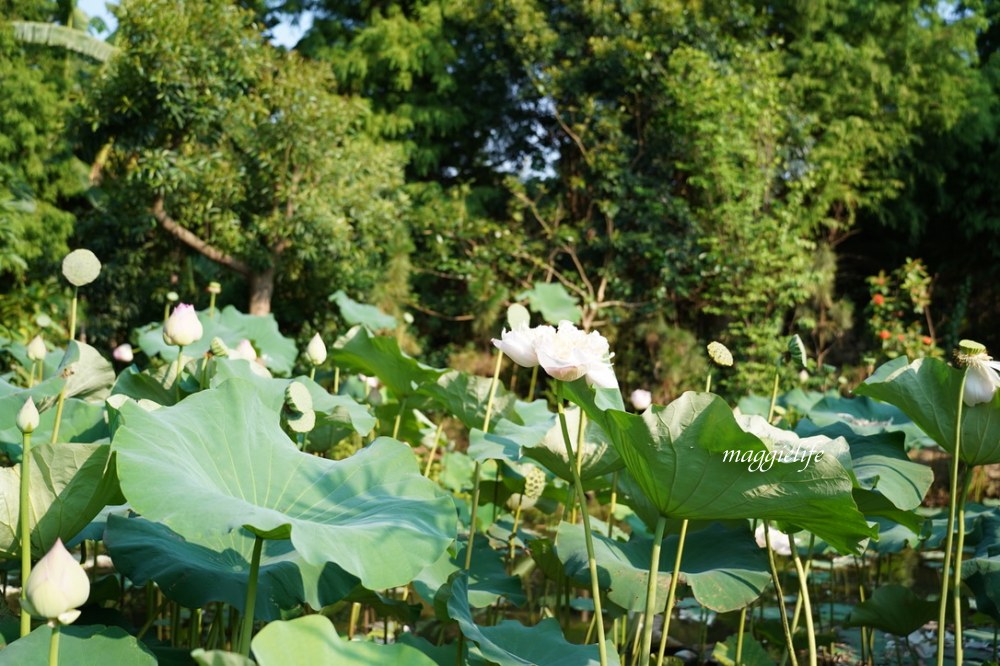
(687, 170)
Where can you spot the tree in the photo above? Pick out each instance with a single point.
(243, 154)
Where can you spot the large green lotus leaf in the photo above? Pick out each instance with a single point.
(927, 391)
(894, 609)
(553, 302)
(81, 421)
(231, 326)
(488, 579)
(355, 313)
(465, 396)
(79, 645)
(866, 416)
(336, 415)
(219, 460)
(380, 356)
(143, 386)
(510, 643)
(89, 376)
(724, 567)
(597, 459)
(216, 567)
(677, 456)
(880, 463)
(982, 575)
(70, 484)
(313, 640)
(752, 654)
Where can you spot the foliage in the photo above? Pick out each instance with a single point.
(900, 311)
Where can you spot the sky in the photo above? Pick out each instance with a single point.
(284, 34)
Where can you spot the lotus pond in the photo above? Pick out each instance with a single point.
(218, 496)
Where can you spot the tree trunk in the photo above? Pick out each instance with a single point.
(261, 291)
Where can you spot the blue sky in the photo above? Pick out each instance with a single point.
(285, 33)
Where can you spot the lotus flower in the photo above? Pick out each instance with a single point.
(36, 349)
(572, 353)
(57, 586)
(981, 380)
(316, 350)
(519, 343)
(641, 399)
(123, 353)
(183, 327)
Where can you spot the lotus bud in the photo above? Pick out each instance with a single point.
(27, 417)
(183, 326)
(36, 349)
(641, 399)
(244, 351)
(123, 353)
(316, 350)
(57, 586)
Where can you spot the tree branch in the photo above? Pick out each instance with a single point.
(188, 238)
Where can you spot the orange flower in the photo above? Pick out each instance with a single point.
(878, 299)
(884, 334)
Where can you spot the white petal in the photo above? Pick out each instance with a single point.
(980, 385)
(603, 376)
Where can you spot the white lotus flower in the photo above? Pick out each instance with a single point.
(36, 349)
(981, 379)
(316, 350)
(123, 353)
(572, 353)
(641, 399)
(520, 343)
(244, 350)
(57, 586)
(27, 417)
(779, 540)
(183, 326)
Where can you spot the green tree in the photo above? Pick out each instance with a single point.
(243, 154)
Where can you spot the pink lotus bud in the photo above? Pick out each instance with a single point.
(123, 353)
(183, 327)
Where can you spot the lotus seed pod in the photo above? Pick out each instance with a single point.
(36, 349)
(534, 481)
(183, 326)
(971, 348)
(27, 417)
(219, 348)
(81, 267)
(316, 350)
(719, 354)
(214, 288)
(298, 398)
(57, 586)
(173, 297)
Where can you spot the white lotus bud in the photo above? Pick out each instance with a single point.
(27, 417)
(244, 350)
(123, 353)
(316, 350)
(57, 586)
(36, 349)
(183, 326)
(641, 399)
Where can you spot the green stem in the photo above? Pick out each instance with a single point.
(804, 597)
(952, 502)
(595, 585)
(956, 589)
(177, 379)
(248, 607)
(23, 510)
(533, 383)
(54, 645)
(59, 412)
(312, 373)
(774, 396)
(211, 306)
(478, 469)
(613, 503)
(336, 380)
(651, 580)
(72, 313)
(739, 637)
(708, 382)
(672, 594)
(399, 419)
(781, 595)
(434, 448)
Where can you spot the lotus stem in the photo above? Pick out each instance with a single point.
(513, 532)
(180, 361)
(54, 644)
(952, 503)
(781, 595)
(336, 380)
(24, 510)
(399, 419)
(595, 586)
(476, 472)
(211, 305)
(59, 412)
(739, 637)
(803, 576)
(533, 383)
(708, 382)
(434, 448)
(672, 593)
(654, 570)
(956, 589)
(798, 602)
(613, 503)
(72, 313)
(248, 607)
(312, 373)
(774, 396)
(352, 625)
